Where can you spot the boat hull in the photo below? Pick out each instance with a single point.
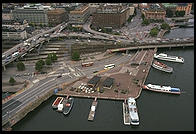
(67, 110)
(168, 70)
(168, 59)
(161, 91)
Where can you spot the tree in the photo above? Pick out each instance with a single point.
(48, 61)
(75, 56)
(165, 26)
(145, 22)
(154, 31)
(42, 62)
(20, 66)
(52, 57)
(180, 13)
(143, 16)
(39, 65)
(169, 13)
(12, 81)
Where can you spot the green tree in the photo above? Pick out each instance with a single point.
(180, 13)
(20, 66)
(75, 56)
(42, 62)
(142, 16)
(54, 57)
(39, 65)
(145, 22)
(154, 31)
(12, 81)
(169, 13)
(165, 26)
(48, 61)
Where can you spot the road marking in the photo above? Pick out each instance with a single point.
(34, 89)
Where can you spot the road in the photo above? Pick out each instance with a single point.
(42, 86)
(34, 41)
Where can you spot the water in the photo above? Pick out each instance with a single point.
(180, 33)
(157, 111)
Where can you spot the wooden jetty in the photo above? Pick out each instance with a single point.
(126, 116)
(92, 111)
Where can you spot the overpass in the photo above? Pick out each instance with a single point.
(34, 41)
(144, 46)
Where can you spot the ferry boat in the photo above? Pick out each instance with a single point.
(162, 67)
(166, 57)
(134, 118)
(57, 102)
(164, 89)
(68, 105)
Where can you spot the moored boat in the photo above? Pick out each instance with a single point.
(163, 56)
(162, 67)
(134, 118)
(57, 102)
(164, 89)
(60, 106)
(68, 105)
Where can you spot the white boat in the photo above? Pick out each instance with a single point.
(162, 67)
(60, 106)
(166, 57)
(164, 89)
(134, 118)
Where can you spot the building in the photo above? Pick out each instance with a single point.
(10, 33)
(7, 14)
(93, 7)
(171, 6)
(131, 10)
(143, 5)
(184, 7)
(79, 15)
(178, 7)
(114, 16)
(94, 81)
(57, 16)
(108, 82)
(16, 24)
(154, 12)
(35, 14)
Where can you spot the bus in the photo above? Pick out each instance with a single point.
(87, 64)
(109, 66)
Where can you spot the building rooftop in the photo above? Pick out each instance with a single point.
(94, 80)
(169, 5)
(108, 82)
(56, 11)
(79, 9)
(182, 4)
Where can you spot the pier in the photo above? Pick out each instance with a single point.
(92, 111)
(126, 116)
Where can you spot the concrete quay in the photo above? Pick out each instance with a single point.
(130, 76)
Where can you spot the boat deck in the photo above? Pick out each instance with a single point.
(92, 112)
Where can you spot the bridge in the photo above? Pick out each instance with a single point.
(33, 42)
(145, 46)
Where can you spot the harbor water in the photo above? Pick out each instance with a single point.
(157, 111)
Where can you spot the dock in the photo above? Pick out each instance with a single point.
(126, 116)
(92, 111)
